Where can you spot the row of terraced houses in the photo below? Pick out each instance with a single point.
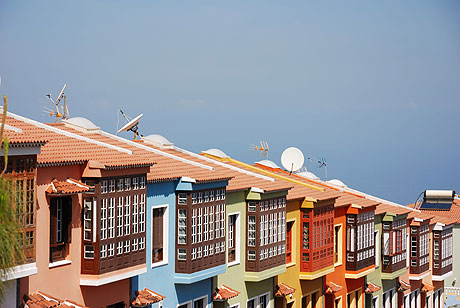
(111, 222)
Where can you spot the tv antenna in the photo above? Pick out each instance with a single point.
(263, 148)
(321, 163)
(292, 159)
(131, 125)
(62, 111)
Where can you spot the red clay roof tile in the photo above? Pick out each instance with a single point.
(64, 147)
(42, 300)
(223, 293)
(70, 186)
(332, 287)
(426, 287)
(283, 290)
(146, 297)
(371, 288)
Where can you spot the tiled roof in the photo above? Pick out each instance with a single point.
(453, 213)
(331, 288)
(241, 179)
(327, 192)
(16, 136)
(403, 285)
(42, 300)
(223, 293)
(70, 186)
(346, 199)
(167, 165)
(64, 147)
(426, 287)
(371, 288)
(386, 208)
(419, 215)
(145, 298)
(283, 290)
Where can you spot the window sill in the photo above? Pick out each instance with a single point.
(59, 263)
(233, 263)
(290, 264)
(158, 264)
(337, 264)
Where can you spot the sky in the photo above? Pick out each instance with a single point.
(371, 86)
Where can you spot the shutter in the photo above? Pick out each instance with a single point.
(160, 228)
(66, 219)
(52, 221)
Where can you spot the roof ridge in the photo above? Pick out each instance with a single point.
(66, 133)
(371, 197)
(153, 150)
(219, 163)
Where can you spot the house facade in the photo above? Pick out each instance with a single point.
(21, 175)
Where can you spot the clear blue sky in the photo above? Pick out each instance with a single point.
(373, 86)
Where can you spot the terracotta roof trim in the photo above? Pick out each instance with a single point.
(68, 187)
(61, 163)
(113, 167)
(43, 300)
(223, 293)
(145, 298)
(426, 287)
(403, 285)
(371, 288)
(283, 290)
(332, 288)
(23, 144)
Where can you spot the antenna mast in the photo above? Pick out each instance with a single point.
(62, 111)
(263, 148)
(321, 163)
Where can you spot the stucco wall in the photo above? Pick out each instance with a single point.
(234, 276)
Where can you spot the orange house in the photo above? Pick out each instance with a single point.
(74, 177)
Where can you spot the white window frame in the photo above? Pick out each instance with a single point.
(188, 303)
(237, 239)
(201, 298)
(267, 294)
(120, 216)
(104, 220)
(127, 214)
(377, 247)
(135, 183)
(257, 300)
(142, 209)
(377, 302)
(165, 234)
(135, 214)
(392, 295)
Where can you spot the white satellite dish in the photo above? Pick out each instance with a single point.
(131, 124)
(292, 159)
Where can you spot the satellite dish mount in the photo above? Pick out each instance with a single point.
(131, 125)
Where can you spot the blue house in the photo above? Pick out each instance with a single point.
(185, 238)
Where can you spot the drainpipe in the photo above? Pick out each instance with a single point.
(323, 302)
